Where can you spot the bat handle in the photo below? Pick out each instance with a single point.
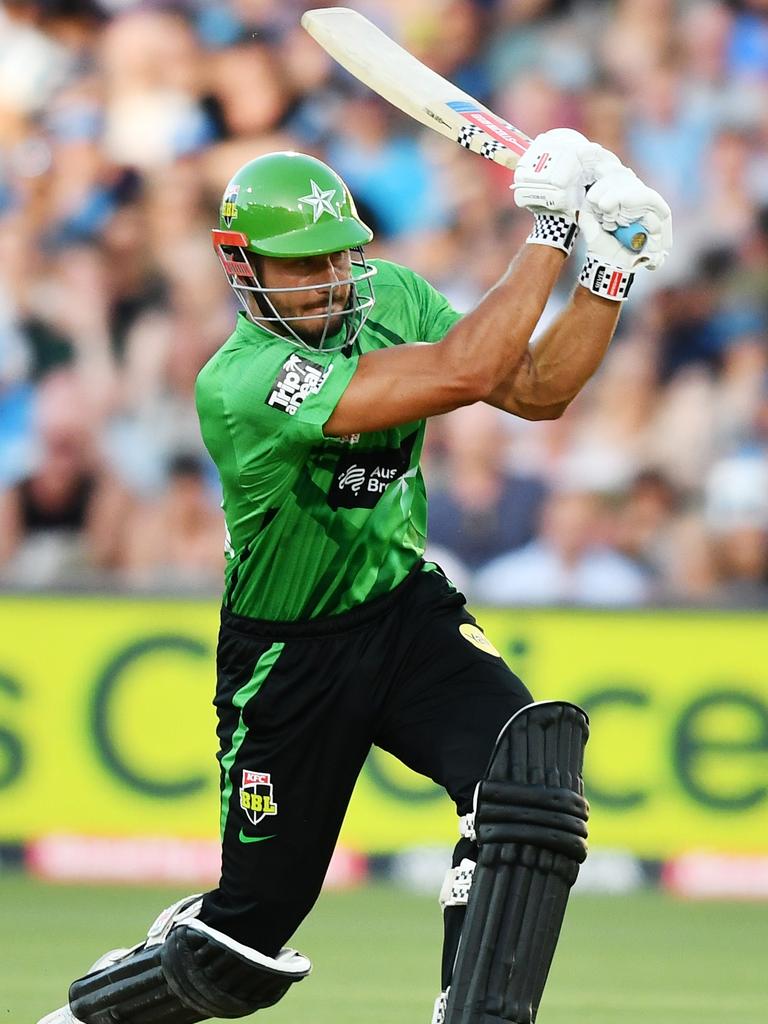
(632, 237)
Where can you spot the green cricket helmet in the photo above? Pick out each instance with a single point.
(285, 206)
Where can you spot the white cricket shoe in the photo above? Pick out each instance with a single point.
(182, 910)
(61, 1016)
(64, 1015)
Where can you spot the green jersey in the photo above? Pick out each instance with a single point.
(316, 524)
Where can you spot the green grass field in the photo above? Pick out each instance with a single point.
(621, 960)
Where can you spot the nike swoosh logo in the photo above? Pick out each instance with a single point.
(253, 839)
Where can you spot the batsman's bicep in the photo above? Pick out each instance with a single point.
(399, 385)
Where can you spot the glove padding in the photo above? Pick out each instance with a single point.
(616, 200)
(552, 175)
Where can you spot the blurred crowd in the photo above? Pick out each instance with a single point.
(120, 125)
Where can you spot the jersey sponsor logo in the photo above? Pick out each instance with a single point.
(477, 638)
(360, 478)
(353, 477)
(297, 379)
(257, 796)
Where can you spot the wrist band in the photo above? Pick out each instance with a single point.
(552, 229)
(604, 280)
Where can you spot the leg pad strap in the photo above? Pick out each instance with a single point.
(456, 885)
(549, 818)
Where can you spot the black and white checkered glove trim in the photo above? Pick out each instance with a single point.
(604, 280)
(551, 229)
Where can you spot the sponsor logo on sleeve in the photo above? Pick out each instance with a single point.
(297, 379)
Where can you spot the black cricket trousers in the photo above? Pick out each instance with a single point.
(299, 706)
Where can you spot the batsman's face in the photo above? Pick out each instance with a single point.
(309, 273)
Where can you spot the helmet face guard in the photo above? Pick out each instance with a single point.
(232, 249)
(290, 206)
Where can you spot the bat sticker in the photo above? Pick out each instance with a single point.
(436, 117)
(499, 129)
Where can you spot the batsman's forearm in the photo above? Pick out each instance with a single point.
(560, 362)
(404, 383)
(494, 337)
(572, 348)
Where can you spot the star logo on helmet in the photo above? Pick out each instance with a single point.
(320, 201)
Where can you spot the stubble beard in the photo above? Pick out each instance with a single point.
(311, 332)
(325, 329)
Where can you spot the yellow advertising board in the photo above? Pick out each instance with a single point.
(107, 728)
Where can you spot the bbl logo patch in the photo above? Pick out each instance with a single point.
(297, 379)
(477, 638)
(256, 797)
(229, 205)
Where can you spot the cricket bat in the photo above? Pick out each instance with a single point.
(385, 67)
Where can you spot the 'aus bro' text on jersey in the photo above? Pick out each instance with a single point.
(361, 477)
(376, 483)
(297, 378)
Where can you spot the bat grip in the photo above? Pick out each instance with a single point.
(632, 237)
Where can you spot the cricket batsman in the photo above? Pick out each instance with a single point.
(335, 633)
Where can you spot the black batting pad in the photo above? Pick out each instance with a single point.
(531, 830)
(190, 977)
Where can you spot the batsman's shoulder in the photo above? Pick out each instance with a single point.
(395, 275)
(241, 367)
(427, 315)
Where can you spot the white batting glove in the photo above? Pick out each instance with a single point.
(617, 200)
(620, 199)
(551, 179)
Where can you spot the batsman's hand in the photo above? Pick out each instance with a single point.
(553, 174)
(616, 200)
